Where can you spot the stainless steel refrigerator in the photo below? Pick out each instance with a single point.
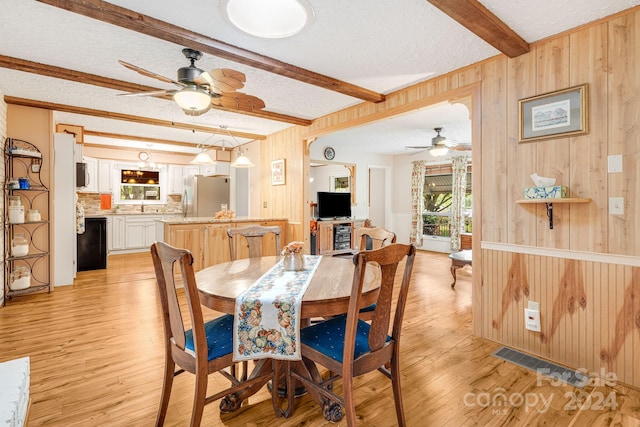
(203, 196)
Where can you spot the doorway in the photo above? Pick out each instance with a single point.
(378, 202)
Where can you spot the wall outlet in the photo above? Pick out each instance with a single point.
(532, 319)
(616, 205)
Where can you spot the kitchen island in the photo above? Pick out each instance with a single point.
(206, 237)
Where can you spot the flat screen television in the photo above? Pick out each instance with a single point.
(334, 205)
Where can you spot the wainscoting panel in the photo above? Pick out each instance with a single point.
(589, 309)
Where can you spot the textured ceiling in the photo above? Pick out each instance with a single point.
(362, 42)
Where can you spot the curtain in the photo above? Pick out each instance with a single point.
(417, 201)
(459, 191)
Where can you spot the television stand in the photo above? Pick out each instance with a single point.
(335, 237)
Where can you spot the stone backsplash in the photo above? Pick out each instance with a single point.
(92, 206)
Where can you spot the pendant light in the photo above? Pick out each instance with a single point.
(203, 158)
(242, 161)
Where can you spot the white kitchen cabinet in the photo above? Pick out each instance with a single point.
(135, 234)
(191, 170)
(223, 168)
(117, 240)
(220, 168)
(92, 175)
(140, 231)
(208, 170)
(105, 176)
(176, 178)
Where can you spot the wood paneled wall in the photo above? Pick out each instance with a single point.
(590, 309)
(288, 200)
(604, 55)
(590, 312)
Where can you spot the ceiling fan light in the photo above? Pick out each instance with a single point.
(193, 100)
(203, 158)
(439, 151)
(269, 18)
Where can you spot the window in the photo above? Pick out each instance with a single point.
(437, 204)
(139, 185)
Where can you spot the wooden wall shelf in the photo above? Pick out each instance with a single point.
(549, 204)
(565, 200)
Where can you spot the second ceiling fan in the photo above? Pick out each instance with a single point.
(440, 145)
(198, 89)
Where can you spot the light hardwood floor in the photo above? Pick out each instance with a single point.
(96, 360)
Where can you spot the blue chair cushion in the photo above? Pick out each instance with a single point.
(219, 333)
(368, 308)
(328, 337)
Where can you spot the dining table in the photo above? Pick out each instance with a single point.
(327, 295)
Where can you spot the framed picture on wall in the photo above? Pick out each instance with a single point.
(341, 184)
(554, 115)
(277, 172)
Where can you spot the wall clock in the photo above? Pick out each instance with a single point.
(329, 153)
(143, 155)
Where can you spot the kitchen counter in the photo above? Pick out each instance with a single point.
(107, 213)
(212, 220)
(207, 239)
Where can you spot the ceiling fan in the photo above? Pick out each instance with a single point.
(440, 145)
(199, 89)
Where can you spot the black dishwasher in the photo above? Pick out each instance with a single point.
(92, 244)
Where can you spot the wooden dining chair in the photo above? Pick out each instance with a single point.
(378, 237)
(204, 349)
(348, 346)
(253, 235)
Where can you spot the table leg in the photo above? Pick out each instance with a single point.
(233, 401)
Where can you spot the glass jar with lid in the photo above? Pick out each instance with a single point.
(16, 214)
(15, 201)
(19, 245)
(33, 215)
(13, 184)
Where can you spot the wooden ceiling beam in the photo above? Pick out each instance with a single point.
(140, 139)
(71, 75)
(134, 21)
(475, 17)
(127, 117)
(96, 80)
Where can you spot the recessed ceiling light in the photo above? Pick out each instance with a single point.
(269, 18)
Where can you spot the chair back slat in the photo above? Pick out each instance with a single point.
(253, 235)
(379, 237)
(381, 315)
(387, 259)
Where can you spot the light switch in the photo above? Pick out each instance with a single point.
(616, 205)
(614, 163)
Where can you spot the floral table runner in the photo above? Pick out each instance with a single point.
(267, 315)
